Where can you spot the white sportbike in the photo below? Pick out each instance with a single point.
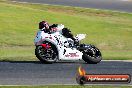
(52, 47)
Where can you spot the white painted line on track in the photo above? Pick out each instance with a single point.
(126, 0)
(118, 60)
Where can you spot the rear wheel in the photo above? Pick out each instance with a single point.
(92, 55)
(46, 55)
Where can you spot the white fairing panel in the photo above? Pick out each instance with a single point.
(38, 37)
(71, 54)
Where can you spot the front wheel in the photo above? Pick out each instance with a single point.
(92, 55)
(46, 55)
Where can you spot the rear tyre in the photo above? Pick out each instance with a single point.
(92, 55)
(48, 55)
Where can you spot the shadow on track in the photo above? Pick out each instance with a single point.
(38, 62)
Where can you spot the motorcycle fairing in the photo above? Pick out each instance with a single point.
(64, 53)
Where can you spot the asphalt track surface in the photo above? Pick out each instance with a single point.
(117, 5)
(36, 73)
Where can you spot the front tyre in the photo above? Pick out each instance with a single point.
(48, 55)
(92, 55)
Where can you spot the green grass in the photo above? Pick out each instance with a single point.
(63, 86)
(110, 31)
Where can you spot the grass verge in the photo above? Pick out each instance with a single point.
(110, 31)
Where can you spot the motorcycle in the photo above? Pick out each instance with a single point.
(53, 47)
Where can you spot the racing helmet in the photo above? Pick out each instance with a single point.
(43, 24)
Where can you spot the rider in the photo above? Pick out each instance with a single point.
(44, 26)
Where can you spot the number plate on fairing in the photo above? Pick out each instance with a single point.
(72, 54)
